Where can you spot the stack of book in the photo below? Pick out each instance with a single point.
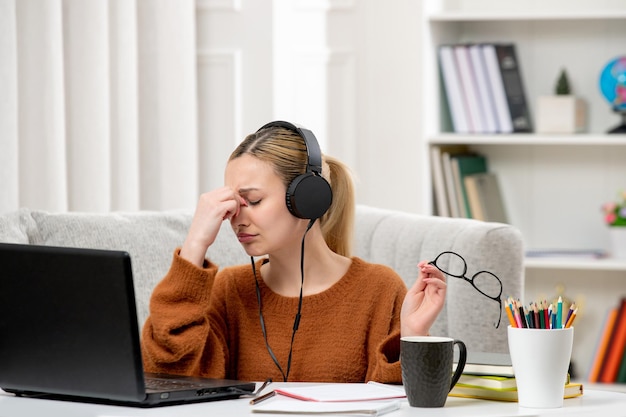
(609, 361)
(490, 376)
(463, 185)
(484, 89)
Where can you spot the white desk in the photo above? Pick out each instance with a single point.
(592, 403)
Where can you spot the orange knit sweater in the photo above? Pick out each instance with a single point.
(204, 322)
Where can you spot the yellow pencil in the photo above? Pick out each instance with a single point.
(509, 314)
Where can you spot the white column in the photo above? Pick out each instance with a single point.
(86, 31)
(124, 106)
(8, 108)
(41, 120)
(167, 104)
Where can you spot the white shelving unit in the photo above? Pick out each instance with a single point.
(553, 185)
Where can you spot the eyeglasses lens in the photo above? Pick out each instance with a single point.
(488, 284)
(451, 264)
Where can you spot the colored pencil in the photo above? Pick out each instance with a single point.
(571, 318)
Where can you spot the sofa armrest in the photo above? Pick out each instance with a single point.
(400, 240)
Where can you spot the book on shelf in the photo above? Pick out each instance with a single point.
(464, 164)
(485, 198)
(470, 89)
(484, 89)
(571, 390)
(621, 374)
(602, 345)
(440, 178)
(451, 185)
(508, 76)
(483, 86)
(505, 73)
(488, 363)
(616, 347)
(453, 89)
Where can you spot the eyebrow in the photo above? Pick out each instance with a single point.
(247, 190)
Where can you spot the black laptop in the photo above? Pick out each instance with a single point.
(69, 330)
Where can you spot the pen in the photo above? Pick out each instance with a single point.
(262, 397)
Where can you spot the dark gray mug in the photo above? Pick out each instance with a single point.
(427, 368)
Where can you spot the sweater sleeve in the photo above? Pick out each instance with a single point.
(177, 331)
(387, 367)
(389, 370)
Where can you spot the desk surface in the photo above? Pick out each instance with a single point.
(593, 402)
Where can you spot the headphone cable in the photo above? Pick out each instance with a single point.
(296, 322)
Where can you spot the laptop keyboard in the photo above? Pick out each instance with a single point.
(161, 384)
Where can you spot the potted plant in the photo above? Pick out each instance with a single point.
(615, 218)
(561, 112)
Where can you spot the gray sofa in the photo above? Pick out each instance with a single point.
(393, 238)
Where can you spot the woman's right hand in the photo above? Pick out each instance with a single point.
(213, 207)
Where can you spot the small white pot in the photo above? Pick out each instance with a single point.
(618, 241)
(560, 114)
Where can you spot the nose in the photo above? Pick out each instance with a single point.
(239, 217)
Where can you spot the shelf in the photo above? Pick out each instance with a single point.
(513, 15)
(529, 139)
(606, 264)
(552, 184)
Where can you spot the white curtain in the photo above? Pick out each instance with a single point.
(98, 106)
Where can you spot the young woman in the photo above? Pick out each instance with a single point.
(305, 309)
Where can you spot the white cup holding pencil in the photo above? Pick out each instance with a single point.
(540, 344)
(540, 359)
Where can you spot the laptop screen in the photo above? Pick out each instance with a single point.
(68, 323)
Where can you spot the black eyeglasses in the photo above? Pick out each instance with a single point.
(485, 282)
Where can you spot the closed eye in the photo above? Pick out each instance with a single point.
(253, 202)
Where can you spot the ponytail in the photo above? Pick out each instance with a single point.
(338, 222)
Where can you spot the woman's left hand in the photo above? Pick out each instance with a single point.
(424, 301)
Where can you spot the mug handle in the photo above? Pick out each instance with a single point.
(461, 364)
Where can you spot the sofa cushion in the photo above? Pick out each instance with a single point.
(14, 226)
(400, 240)
(149, 237)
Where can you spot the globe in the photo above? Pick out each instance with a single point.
(613, 88)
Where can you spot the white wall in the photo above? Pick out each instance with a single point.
(136, 104)
(347, 69)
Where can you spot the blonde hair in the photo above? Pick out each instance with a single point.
(286, 151)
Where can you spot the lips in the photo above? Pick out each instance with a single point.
(245, 237)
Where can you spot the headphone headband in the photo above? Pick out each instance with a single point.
(313, 151)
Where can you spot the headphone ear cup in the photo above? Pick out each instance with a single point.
(309, 196)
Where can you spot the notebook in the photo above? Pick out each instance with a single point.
(69, 330)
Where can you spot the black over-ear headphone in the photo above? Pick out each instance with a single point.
(308, 195)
